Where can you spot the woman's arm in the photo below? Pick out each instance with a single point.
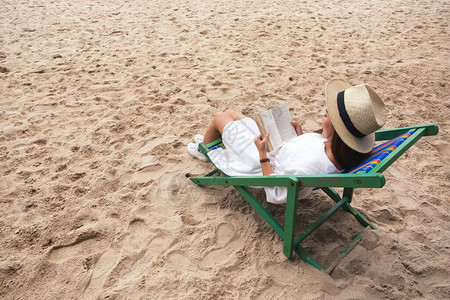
(297, 127)
(265, 165)
(261, 145)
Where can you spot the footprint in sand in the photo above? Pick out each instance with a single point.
(82, 247)
(138, 234)
(181, 261)
(148, 173)
(102, 269)
(133, 242)
(226, 253)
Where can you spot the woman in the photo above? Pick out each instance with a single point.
(347, 137)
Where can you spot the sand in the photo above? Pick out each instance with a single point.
(99, 100)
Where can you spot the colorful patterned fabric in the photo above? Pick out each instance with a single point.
(380, 152)
(217, 146)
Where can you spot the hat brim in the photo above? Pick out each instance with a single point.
(362, 145)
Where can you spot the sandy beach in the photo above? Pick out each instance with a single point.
(99, 100)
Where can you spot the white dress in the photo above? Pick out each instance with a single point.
(304, 154)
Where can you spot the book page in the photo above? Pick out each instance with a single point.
(271, 127)
(282, 119)
(276, 121)
(262, 131)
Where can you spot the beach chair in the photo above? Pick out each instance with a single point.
(367, 175)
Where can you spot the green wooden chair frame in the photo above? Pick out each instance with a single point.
(372, 179)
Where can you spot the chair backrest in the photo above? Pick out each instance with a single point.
(379, 153)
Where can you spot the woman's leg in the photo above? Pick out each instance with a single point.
(220, 119)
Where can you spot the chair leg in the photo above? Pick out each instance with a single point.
(306, 258)
(332, 194)
(299, 250)
(361, 219)
(345, 252)
(290, 219)
(259, 208)
(347, 206)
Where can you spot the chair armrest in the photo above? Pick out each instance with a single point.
(387, 134)
(270, 180)
(363, 180)
(322, 180)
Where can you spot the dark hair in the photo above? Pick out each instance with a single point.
(344, 155)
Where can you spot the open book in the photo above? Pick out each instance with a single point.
(276, 121)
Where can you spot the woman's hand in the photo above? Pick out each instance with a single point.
(297, 127)
(261, 144)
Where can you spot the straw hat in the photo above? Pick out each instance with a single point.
(356, 112)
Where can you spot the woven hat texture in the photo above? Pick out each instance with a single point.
(365, 109)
